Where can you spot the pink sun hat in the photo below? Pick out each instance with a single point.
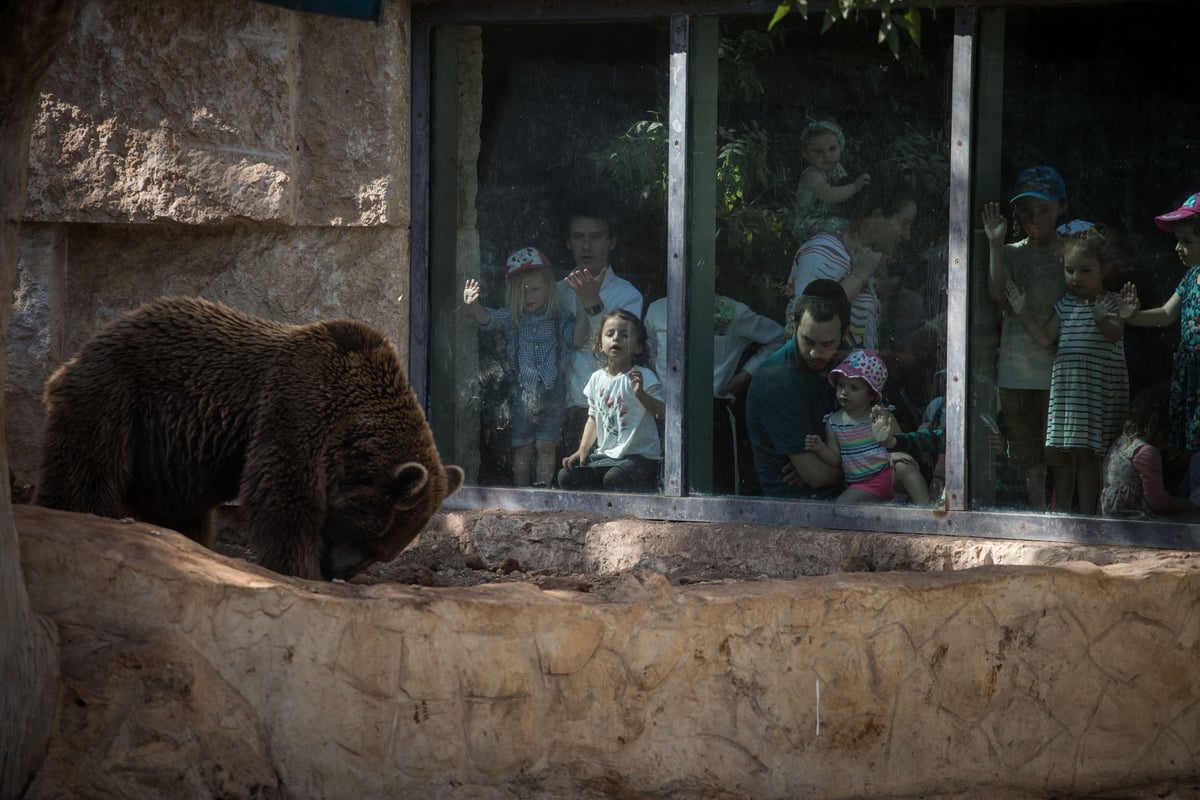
(862, 364)
(1186, 211)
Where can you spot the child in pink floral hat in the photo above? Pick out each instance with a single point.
(872, 474)
(1182, 306)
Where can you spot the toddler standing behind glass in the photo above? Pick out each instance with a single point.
(540, 345)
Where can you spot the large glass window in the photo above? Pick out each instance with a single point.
(706, 170)
(827, 158)
(1088, 126)
(551, 237)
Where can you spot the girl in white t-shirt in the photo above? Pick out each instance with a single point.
(624, 400)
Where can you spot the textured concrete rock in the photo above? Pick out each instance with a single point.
(999, 681)
(223, 112)
(234, 150)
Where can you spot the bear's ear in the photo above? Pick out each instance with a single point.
(454, 478)
(408, 484)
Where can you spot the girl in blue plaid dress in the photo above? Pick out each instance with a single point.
(540, 335)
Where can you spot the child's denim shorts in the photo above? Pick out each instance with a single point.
(538, 414)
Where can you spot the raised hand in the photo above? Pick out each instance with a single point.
(881, 424)
(635, 380)
(1104, 307)
(814, 443)
(1016, 297)
(995, 226)
(471, 292)
(1128, 305)
(866, 261)
(585, 286)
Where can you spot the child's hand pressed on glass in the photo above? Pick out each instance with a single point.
(995, 225)
(1129, 304)
(1104, 308)
(1016, 297)
(471, 292)
(881, 424)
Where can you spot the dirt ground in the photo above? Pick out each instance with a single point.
(434, 570)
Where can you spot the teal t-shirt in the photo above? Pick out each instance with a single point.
(786, 402)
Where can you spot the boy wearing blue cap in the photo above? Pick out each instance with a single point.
(1035, 264)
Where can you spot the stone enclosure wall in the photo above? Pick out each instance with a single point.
(216, 678)
(260, 157)
(230, 149)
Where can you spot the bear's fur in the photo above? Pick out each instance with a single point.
(182, 404)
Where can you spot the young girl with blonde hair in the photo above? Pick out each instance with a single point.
(540, 337)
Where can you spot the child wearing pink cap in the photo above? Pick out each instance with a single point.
(872, 474)
(1183, 305)
(540, 342)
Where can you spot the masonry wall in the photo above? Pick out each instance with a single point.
(231, 149)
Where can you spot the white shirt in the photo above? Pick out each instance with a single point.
(615, 292)
(623, 425)
(735, 327)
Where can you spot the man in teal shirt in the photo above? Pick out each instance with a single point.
(791, 394)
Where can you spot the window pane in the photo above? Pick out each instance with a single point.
(831, 161)
(1098, 97)
(556, 161)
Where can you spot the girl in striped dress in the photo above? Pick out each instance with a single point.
(1089, 383)
(872, 474)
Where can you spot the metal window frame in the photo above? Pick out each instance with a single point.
(957, 519)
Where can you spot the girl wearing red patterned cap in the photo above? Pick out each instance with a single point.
(872, 474)
(540, 343)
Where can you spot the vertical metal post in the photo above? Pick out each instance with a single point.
(675, 379)
(418, 252)
(958, 280)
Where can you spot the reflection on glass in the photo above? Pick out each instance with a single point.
(550, 236)
(1057, 372)
(833, 166)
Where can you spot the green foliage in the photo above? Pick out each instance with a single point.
(636, 161)
(766, 93)
(895, 17)
(741, 56)
(925, 159)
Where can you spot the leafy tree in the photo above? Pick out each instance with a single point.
(895, 17)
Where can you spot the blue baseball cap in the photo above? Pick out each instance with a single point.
(1043, 183)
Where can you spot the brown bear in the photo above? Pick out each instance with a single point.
(182, 404)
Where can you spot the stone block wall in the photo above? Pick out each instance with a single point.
(220, 679)
(233, 149)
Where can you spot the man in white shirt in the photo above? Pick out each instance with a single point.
(592, 289)
(736, 329)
